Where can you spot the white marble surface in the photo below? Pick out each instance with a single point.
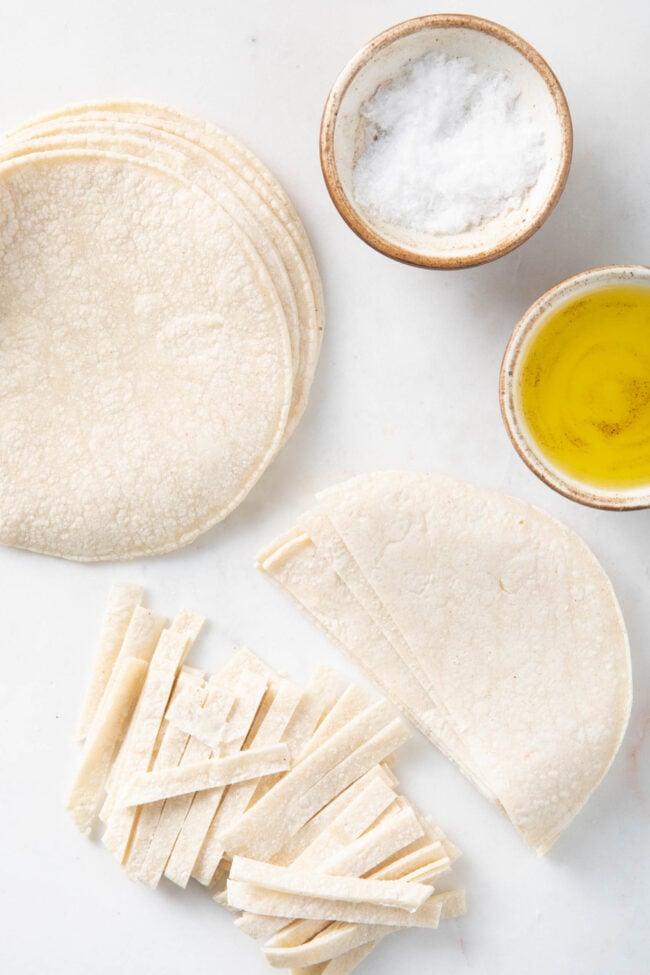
(408, 378)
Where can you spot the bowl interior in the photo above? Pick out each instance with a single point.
(488, 51)
(515, 356)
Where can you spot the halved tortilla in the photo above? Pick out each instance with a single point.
(296, 564)
(441, 728)
(514, 623)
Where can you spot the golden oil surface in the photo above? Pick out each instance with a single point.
(584, 387)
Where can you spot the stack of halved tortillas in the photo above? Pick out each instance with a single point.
(487, 622)
(160, 322)
(280, 799)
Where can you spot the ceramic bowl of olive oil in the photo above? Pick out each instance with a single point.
(575, 387)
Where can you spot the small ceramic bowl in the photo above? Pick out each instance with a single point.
(510, 384)
(490, 46)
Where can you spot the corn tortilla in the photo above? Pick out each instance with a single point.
(145, 375)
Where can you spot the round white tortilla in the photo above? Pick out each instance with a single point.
(239, 171)
(193, 164)
(145, 364)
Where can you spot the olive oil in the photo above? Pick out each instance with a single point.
(584, 387)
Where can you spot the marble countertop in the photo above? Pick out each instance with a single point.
(408, 378)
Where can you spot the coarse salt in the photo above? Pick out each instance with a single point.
(448, 147)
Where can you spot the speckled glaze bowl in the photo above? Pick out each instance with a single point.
(490, 46)
(510, 384)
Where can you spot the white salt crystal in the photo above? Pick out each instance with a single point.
(449, 147)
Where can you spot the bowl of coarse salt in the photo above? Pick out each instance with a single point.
(446, 142)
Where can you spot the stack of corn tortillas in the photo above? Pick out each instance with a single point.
(280, 799)
(491, 625)
(161, 318)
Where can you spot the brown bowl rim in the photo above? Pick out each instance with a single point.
(328, 124)
(533, 460)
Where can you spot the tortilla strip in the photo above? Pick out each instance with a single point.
(320, 696)
(246, 662)
(352, 858)
(238, 797)
(371, 849)
(168, 657)
(122, 601)
(349, 705)
(435, 834)
(335, 940)
(188, 623)
(352, 820)
(349, 825)
(428, 857)
(308, 833)
(346, 963)
(308, 883)
(170, 822)
(205, 804)
(431, 859)
(254, 763)
(170, 753)
(331, 784)
(342, 965)
(427, 873)
(248, 897)
(141, 641)
(304, 934)
(225, 686)
(293, 933)
(318, 699)
(205, 723)
(272, 821)
(453, 904)
(107, 730)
